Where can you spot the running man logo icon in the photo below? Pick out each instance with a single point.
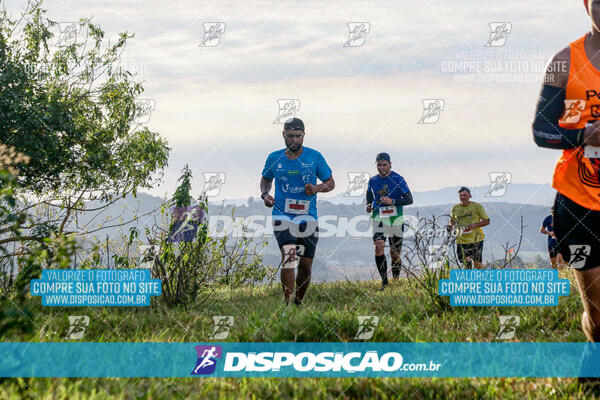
(69, 33)
(579, 255)
(185, 225)
(291, 257)
(287, 110)
(357, 33)
(213, 182)
(573, 110)
(212, 34)
(223, 324)
(308, 177)
(438, 255)
(499, 32)
(207, 359)
(366, 327)
(499, 182)
(143, 110)
(146, 258)
(77, 326)
(432, 108)
(508, 327)
(357, 184)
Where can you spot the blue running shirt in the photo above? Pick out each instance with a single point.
(290, 178)
(550, 228)
(392, 186)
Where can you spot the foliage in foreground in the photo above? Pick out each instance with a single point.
(291, 388)
(190, 263)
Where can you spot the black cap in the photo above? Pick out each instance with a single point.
(293, 124)
(383, 157)
(464, 189)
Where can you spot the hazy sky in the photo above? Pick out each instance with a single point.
(216, 105)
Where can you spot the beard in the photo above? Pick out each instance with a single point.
(293, 147)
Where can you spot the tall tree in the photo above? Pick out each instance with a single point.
(71, 109)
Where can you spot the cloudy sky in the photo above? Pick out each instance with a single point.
(216, 104)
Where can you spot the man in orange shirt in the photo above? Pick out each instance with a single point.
(568, 118)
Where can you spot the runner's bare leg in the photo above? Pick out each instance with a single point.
(289, 261)
(303, 278)
(589, 290)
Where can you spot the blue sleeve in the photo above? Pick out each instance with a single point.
(403, 186)
(323, 170)
(546, 223)
(267, 171)
(405, 196)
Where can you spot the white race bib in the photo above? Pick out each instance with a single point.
(591, 152)
(299, 207)
(388, 211)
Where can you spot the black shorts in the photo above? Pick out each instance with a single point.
(577, 231)
(553, 251)
(393, 233)
(304, 235)
(472, 250)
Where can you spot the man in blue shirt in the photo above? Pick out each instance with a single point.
(548, 229)
(386, 194)
(295, 170)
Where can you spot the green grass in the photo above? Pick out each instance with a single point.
(289, 388)
(329, 314)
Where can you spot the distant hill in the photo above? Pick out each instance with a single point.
(339, 256)
(520, 193)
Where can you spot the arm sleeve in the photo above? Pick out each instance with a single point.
(369, 194)
(267, 171)
(405, 197)
(546, 130)
(323, 170)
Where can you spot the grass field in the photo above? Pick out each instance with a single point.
(329, 314)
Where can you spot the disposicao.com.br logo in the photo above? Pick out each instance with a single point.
(359, 226)
(207, 359)
(306, 362)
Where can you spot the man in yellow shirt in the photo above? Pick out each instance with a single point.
(470, 217)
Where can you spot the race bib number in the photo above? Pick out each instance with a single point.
(293, 206)
(388, 211)
(591, 152)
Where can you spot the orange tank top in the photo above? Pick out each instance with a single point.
(575, 176)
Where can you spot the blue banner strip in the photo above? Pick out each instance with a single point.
(376, 359)
(95, 287)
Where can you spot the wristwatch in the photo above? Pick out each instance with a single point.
(262, 196)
